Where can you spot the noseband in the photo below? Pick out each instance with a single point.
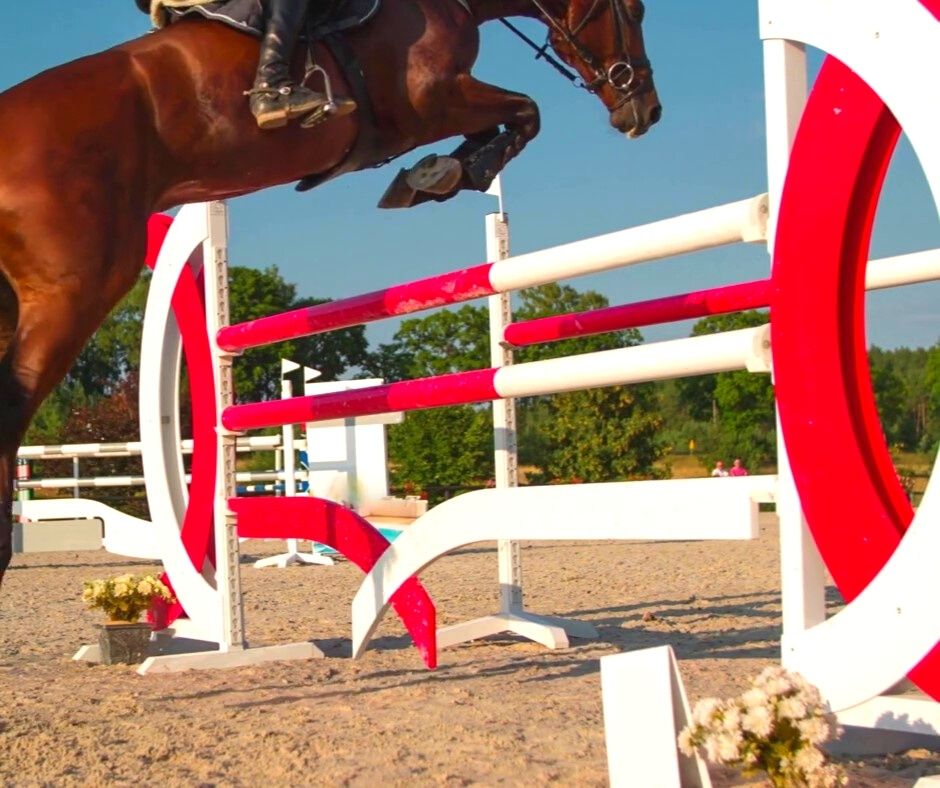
(621, 75)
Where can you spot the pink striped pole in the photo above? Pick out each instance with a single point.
(457, 388)
(725, 224)
(701, 303)
(450, 288)
(720, 352)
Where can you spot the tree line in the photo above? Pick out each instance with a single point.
(615, 433)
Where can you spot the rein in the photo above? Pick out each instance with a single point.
(621, 75)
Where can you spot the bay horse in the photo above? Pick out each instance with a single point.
(93, 147)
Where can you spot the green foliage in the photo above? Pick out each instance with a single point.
(444, 446)
(257, 293)
(114, 350)
(447, 341)
(49, 423)
(739, 405)
(747, 419)
(109, 362)
(890, 398)
(602, 435)
(597, 435)
(932, 396)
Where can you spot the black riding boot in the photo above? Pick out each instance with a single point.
(275, 98)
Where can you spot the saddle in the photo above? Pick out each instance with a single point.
(326, 18)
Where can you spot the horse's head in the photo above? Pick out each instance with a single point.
(603, 41)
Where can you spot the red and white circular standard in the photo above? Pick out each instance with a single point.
(871, 86)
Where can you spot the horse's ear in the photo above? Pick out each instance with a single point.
(144, 5)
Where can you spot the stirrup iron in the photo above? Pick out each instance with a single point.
(324, 111)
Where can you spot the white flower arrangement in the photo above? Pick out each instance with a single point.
(775, 727)
(124, 598)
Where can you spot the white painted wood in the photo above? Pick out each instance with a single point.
(887, 629)
(743, 221)
(890, 51)
(802, 573)
(746, 348)
(911, 712)
(904, 269)
(232, 658)
(123, 534)
(785, 91)
(158, 416)
(866, 648)
(645, 708)
(676, 509)
(533, 628)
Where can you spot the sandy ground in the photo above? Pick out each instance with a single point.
(500, 711)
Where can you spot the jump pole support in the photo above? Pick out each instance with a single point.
(225, 605)
(512, 617)
(802, 574)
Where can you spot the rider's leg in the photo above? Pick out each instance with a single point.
(275, 98)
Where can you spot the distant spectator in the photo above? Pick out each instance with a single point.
(719, 469)
(737, 469)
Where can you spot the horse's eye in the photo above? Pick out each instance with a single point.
(638, 13)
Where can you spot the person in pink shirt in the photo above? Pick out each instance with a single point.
(737, 469)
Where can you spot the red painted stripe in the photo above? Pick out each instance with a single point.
(435, 291)
(336, 526)
(716, 301)
(458, 388)
(189, 310)
(828, 413)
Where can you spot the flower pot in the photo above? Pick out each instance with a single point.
(123, 642)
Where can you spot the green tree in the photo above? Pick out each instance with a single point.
(593, 435)
(452, 340)
(596, 435)
(445, 446)
(932, 387)
(114, 350)
(891, 398)
(441, 447)
(113, 354)
(739, 404)
(257, 293)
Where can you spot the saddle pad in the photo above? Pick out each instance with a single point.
(248, 15)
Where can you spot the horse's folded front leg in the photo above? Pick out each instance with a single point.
(475, 110)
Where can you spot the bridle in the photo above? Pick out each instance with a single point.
(621, 75)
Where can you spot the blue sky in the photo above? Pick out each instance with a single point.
(577, 179)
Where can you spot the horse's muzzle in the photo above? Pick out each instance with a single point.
(634, 117)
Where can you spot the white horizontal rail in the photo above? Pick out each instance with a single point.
(738, 222)
(132, 448)
(60, 483)
(905, 269)
(747, 348)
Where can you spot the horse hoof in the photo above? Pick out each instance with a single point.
(435, 174)
(399, 194)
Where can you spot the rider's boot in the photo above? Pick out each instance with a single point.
(275, 98)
